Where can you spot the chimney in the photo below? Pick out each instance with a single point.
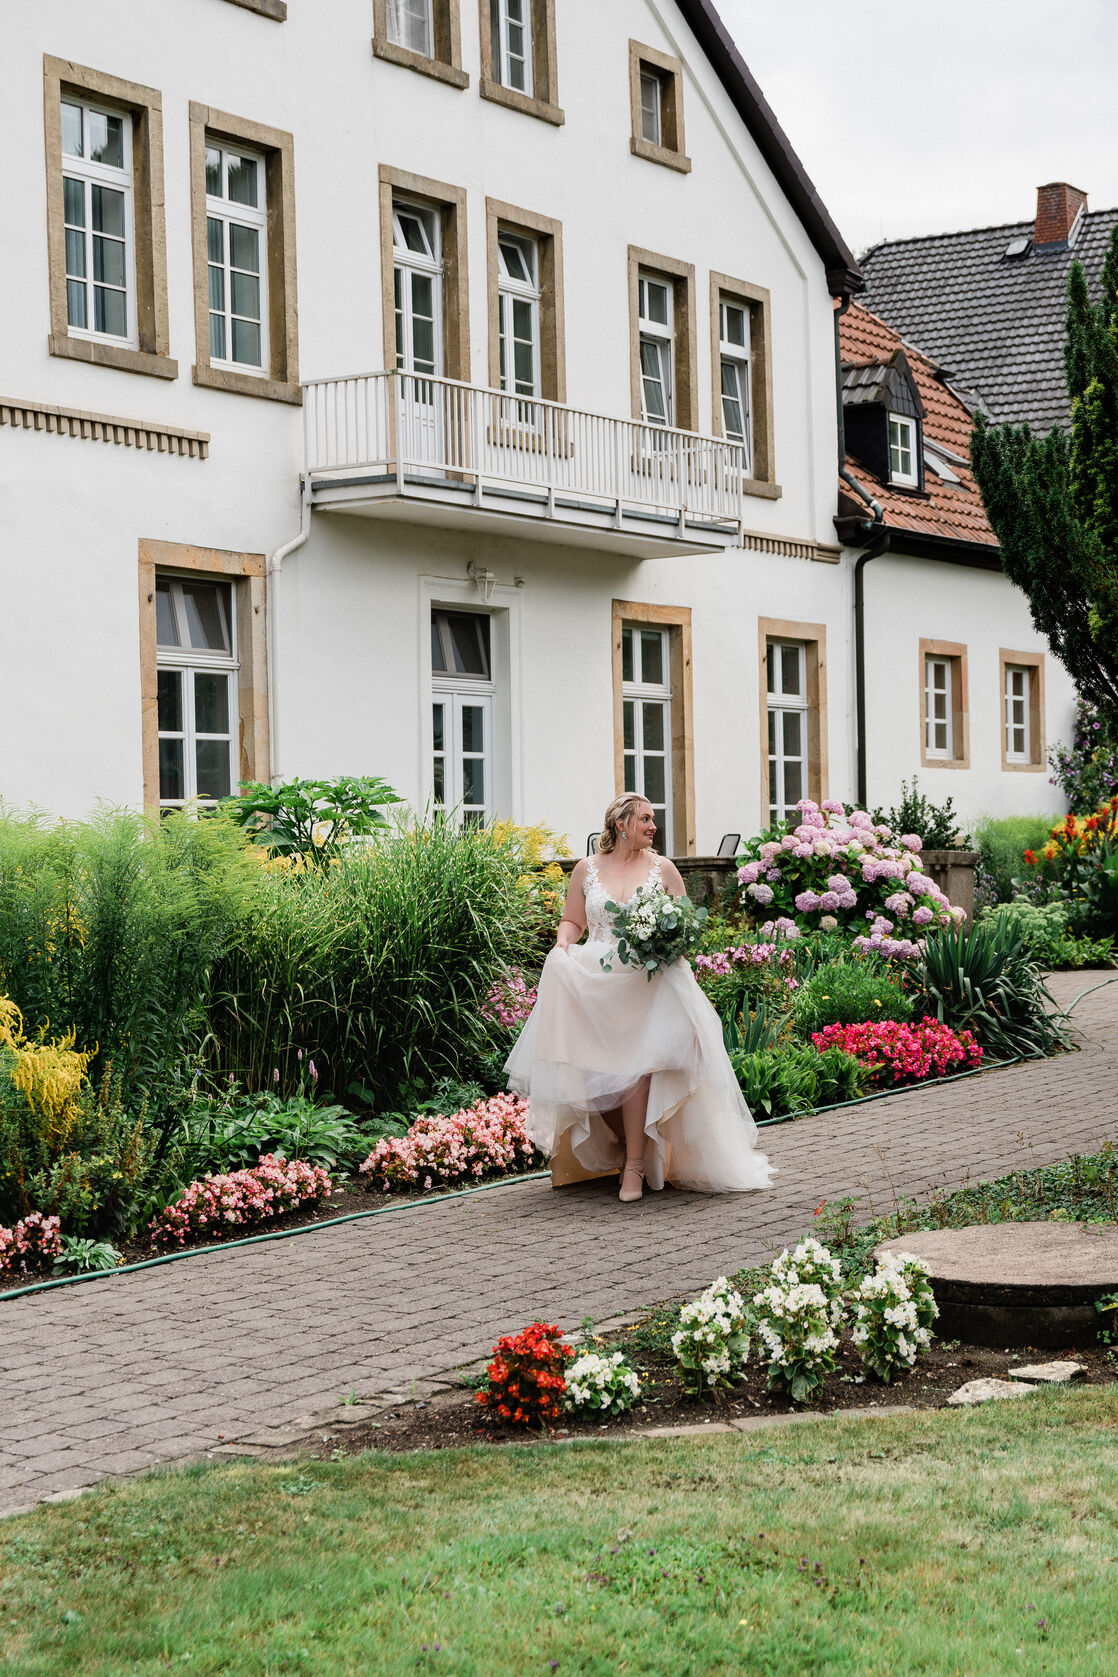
(1058, 207)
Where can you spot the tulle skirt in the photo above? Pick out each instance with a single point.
(593, 1035)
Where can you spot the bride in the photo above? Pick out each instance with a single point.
(634, 1069)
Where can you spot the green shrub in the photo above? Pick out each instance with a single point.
(982, 979)
(1001, 844)
(796, 1077)
(937, 824)
(847, 991)
(310, 818)
(1044, 930)
(233, 1131)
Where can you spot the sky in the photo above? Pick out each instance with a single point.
(930, 116)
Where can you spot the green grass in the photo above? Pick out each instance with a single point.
(939, 1544)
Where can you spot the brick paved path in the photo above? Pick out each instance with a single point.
(119, 1374)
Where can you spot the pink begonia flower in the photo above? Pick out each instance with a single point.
(807, 902)
(921, 915)
(911, 841)
(749, 873)
(828, 923)
(833, 807)
(829, 901)
(760, 893)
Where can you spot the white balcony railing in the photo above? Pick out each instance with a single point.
(436, 433)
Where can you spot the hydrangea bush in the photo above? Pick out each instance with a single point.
(894, 1052)
(605, 1384)
(837, 869)
(486, 1139)
(31, 1246)
(215, 1206)
(712, 1341)
(526, 1381)
(894, 1309)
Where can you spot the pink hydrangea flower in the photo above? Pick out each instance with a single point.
(760, 893)
(911, 841)
(922, 915)
(807, 902)
(829, 901)
(833, 807)
(748, 873)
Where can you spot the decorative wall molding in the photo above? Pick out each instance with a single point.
(790, 547)
(104, 428)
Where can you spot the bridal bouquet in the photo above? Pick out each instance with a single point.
(653, 929)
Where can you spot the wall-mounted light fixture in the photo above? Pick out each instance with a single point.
(483, 580)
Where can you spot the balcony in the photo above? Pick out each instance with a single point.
(432, 451)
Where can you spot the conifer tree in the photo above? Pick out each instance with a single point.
(1053, 501)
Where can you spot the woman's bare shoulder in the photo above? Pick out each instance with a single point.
(579, 872)
(672, 878)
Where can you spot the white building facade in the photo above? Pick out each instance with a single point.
(443, 391)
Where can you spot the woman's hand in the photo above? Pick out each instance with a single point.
(567, 934)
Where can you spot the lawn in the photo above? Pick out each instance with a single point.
(953, 1543)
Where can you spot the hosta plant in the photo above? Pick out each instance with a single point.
(86, 1257)
(526, 1382)
(712, 1341)
(603, 1383)
(894, 1309)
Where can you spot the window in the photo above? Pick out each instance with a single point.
(423, 35)
(243, 224)
(518, 56)
(197, 690)
(236, 238)
(417, 282)
(656, 101)
(647, 723)
(424, 277)
(656, 350)
(904, 465)
(1017, 682)
(938, 735)
(518, 314)
(462, 714)
(733, 344)
(786, 685)
(106, 241)
(944, 730)
(1022, 688)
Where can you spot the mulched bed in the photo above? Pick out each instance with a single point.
(454, 1419)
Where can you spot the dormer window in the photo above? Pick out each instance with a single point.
(904, 459)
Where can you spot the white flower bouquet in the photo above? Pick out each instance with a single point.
(712, 1341)
(653, 929)
(606, 1384)
(894, 1309)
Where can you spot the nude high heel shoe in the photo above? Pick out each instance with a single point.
(633, 1169)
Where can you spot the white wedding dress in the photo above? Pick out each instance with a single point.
(593, 1035)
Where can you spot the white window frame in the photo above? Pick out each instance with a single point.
(91, 174)
(512, 289)
(411, 24)
(231, 214)
(658, 337)
(1018, 713)
(504, 58)
(903, 440)
(781, 807)
(189, 661)
(454, 692)
(939, 680)
(736, 369)
(643, 696)
(652, 105)
(406, 262)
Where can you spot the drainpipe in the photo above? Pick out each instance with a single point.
(876, 536)
(275, 566)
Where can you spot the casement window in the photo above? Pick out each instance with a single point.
(657, 349)
(411, 25)
(526, 329)
(243, 226)
(196, 638)
(423, 35)
(518, 62)
(647, 723)
(944, 733)
(904, 459)
(1022, 690)
(236, 245)
(462, 706)
(1016, 693)
(793, 692)
(518, 313)
(105, 230)
(656, 102)
(424, 278)
(418, 287)
(98, 215)
(733, 348)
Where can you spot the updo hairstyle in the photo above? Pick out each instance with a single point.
(619, 810)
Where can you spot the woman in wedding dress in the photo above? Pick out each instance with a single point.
(634, 1069)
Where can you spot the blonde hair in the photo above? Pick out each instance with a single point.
(619, 810)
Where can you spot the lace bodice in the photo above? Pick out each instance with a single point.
(599, 922)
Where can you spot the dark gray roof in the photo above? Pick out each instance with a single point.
(994, 322)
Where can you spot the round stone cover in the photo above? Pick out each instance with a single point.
(1017, 1263)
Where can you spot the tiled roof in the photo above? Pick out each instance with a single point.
(994, 322)
(953, 510)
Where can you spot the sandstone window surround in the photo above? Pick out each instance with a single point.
(547, 235)
(246, 572)
(685, 380)
(275, 9)
(449, 202)
(757, 300)
(677, 621)
(944, 705)
(444, 63)
(277, 149)
(810, 703)
(656, 107)
(543, 100)
(142, 106)
(1022, 711)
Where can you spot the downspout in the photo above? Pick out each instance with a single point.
(275, 566)
(876, 536)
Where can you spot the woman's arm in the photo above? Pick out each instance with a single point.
(672, 878)
(573, 923)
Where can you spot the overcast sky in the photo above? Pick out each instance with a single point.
(935, 116)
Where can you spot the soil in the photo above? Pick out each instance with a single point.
(453, 1419)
